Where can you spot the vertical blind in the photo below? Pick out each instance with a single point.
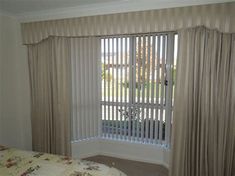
(137, 87)
(122, 87)
(85, 60)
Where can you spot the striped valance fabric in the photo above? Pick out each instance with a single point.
(219, 16)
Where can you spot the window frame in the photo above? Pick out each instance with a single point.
(168, 105)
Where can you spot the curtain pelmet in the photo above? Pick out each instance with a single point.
(219, 16)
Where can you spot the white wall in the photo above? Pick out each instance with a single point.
(15, 127)
(86, 148)
(1, 77)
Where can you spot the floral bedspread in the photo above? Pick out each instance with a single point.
(15, 162)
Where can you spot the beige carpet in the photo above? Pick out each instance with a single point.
(131, 168)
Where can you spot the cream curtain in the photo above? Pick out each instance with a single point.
(49, 64)
(204, 109)
(86, 81)
(220, 16)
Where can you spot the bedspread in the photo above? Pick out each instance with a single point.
(14, 162)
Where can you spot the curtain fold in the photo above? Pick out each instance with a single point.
(204, 109)
(86, 81)
(219, 16)
(49, 65)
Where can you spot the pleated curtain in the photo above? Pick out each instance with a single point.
(86, 82)
(50, 78)
(65, 92)
(204, 110)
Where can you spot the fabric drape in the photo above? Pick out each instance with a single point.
(49, 65)
(220, 16)
(86, 81)
(204, 110)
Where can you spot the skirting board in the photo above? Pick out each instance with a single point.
(121, 149)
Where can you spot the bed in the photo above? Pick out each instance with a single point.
(14, 162)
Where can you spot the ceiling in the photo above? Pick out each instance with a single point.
(22, 6)
(45, 9)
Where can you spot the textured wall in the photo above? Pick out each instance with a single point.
(15, 129)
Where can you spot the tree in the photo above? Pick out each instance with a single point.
(105, 74)
(144, 60)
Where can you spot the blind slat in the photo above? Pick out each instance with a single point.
(109, 78)
(117, 58)
(152, 87)
(138, 101)
(148, 86)
(121, 81)
(104, 72)
(157, 90)
(143, 89)
(126, 107)
(162, 88)
(130, 88)
(134, 88)
(113, 129)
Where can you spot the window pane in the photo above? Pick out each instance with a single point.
(115, 69)
(138, 77)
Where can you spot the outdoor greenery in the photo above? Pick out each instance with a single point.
(144, 61)
(116, 89)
